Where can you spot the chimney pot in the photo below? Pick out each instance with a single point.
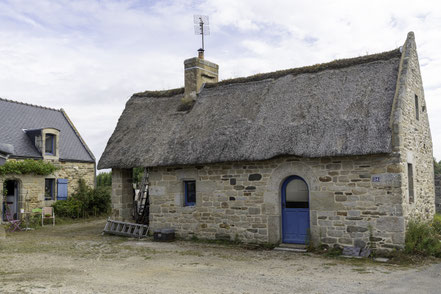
(201, 53)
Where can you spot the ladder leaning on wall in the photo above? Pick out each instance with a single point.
(141, 202)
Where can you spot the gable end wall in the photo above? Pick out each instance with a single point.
(412, 138)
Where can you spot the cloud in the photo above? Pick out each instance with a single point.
(88, 57)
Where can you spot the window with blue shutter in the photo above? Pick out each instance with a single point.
(62, 189)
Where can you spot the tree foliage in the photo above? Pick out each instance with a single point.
(27, 166)
(104, 179)
(138, 173)
(437, 167)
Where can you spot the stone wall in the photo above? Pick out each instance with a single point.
(412, 138)
(353, 200)
(438, 193)
(32, 187)
(122, 194)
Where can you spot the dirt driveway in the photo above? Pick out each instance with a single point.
(77, 259)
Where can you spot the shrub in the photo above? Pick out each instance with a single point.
(68, 208)
(436, 224)
(84, 202)
(100, 201)
(422, 239)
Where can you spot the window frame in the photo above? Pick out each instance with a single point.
(186, 202)
(417, 108)
(410, 183)
(52, 189)
(53, 146)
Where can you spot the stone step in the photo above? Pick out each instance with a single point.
(299, 248)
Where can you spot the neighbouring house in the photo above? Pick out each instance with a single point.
(41, 133)
(337, 153)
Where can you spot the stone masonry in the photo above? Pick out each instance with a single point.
(353, 200)
(438, 193)
(32, 187)
(412, 138)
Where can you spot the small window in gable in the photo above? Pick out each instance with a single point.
(49, 189)
(410, 182)
(190, 193)
(417, 110)
(50, 144)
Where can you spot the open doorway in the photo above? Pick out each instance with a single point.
(11, 198)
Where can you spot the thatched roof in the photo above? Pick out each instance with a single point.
(334, 109)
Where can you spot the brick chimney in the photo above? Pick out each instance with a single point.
(198, 71)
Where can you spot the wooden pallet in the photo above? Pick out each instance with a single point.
(126, 229)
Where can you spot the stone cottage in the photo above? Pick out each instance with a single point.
(35, 132)
(335, 153)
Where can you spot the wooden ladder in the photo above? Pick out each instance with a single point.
(126, 229)
(141, 207)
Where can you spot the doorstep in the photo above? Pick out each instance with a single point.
(299, 248)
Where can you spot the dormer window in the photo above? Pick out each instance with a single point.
(50, 144)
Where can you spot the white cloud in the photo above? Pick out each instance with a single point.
(90, 56)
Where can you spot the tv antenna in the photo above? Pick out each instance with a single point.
(201, 26)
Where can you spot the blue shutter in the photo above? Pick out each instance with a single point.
(62, 189)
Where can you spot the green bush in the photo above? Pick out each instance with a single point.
(422, 239)
(84, 202)
(100, 200)
(436, 224)
(68, 208)
(27, 166)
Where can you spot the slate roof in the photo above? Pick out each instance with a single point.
(6, 149)
(15, 117)
(333, 109)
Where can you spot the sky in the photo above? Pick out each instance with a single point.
(88, 57)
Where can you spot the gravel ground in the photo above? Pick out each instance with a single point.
(76, 258)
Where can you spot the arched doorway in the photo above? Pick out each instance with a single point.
(295, 210)
(11, 198)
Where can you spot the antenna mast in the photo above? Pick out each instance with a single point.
(201, 27)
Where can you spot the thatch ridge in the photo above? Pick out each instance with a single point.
(335, 64)
(158, 94)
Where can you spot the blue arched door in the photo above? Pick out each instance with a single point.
(295, 210)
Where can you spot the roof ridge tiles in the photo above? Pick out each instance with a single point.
(29, 104)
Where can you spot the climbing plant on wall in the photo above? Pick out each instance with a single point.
(27, 166)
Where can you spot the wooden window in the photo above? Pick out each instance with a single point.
(49, 144)
(410, 182)
(49, 189)
(62, 189)
(417, 109)
(190, 193)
